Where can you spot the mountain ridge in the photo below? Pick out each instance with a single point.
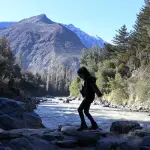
(86, 39)
(37, 38)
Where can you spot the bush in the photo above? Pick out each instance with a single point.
(110, 64)
(118, 96)
(75, 87)
(119, 91)
(102, 79)
(142, 91)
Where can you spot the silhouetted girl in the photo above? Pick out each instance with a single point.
(88, 92)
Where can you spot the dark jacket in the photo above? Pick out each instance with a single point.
(89, 88)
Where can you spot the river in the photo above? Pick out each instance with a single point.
(54, 113)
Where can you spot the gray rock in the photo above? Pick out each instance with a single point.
(67, 144)
(141, 133)
(144, 148)
(84, 138)
(123, 127)
(145, 145)
(9, 106)
(31, 143)
(53, 136)
(8, 135)
(15, 133)
(32, 120)
(130, 145)
(109, 143)
(1, 130)
(2, 147)
(7, 122)
(15, 115)
(69, 130)
(66, 101)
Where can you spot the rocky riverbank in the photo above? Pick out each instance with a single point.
(22, 129)
(15, 115)
(106, 103)
(127, 136)
(126, 106)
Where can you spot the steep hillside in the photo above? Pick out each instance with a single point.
(87, 40)
(38, 38)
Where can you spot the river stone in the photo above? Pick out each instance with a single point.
(66, 101)
(53, 136)
(9, 135)
(72, 131)
(130, 145)
(7, 122)
(67, 144)
(1, 130)
(109, 143)
(124, 127)
(141, 133)
(85, 137)
(15, 115)
(8, 106)
(32, 120)
(31, 143)
(145, 145)
(24, 132)
(69, 130)
(3, 147)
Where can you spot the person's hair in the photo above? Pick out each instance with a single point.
(83, 71)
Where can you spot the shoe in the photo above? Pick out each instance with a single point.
(94, 126)
(82, 127)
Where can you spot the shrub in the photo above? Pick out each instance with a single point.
(75, 87)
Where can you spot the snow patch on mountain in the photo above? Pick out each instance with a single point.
(87, 40)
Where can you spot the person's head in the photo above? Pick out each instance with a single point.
(83, 73)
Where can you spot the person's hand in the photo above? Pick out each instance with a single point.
(82, 93)
(100, 94)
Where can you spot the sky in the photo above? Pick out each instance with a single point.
(95, 17)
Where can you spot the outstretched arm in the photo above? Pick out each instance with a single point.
(96, 90)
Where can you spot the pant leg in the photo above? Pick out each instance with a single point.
(86, 111)
(80, 111)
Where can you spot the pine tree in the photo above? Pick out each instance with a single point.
(121, 39)
(141, 27)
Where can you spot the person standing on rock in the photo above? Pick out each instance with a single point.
(88, 91)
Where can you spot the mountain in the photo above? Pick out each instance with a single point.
(6, 24)
(87, 40)
(38, 40)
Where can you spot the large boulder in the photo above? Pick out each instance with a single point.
(109, 143)
(118, 143)
(31, 143)
(145, 145)
(67, 144)
(38, 139)
(124, 127)
(83, 138)
(15, 115)
(130, 145)
(44, 133)
(140, 132)
(28, 139)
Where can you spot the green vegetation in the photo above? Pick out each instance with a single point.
(13, 80)
(123, 69)
(75, 87)
(16, 82)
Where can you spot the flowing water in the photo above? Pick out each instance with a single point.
(54, 113)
